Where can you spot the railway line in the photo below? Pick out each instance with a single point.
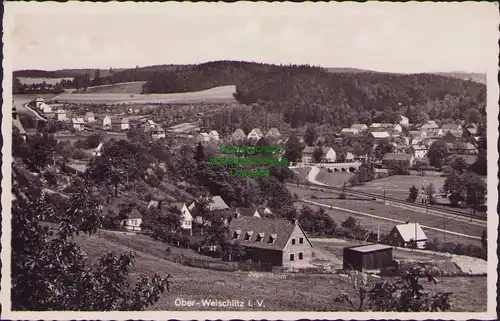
(392, 200)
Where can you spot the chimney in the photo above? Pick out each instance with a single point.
(407, 222)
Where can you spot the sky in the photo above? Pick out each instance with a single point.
(390, 37)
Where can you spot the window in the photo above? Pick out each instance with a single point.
(301, 256)
(272, 239)
(293, 241)
(248, 236)
(292, 257)
(301, 240)
(260, 237)
(236, 235)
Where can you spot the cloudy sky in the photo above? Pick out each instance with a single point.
(405, 37)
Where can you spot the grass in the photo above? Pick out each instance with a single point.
(294, 292)
(333, 179)
(220, 94)
(388, 211)
(134, 87)
(278, 294)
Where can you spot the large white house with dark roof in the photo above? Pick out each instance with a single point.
(278, 242)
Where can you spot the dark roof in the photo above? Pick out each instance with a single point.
(397, 156)
(369, 248)
(282, 228)
(177, 205)
(132, 213)
(246, 211)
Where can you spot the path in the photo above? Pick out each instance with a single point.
(37, 115)
(311, 177)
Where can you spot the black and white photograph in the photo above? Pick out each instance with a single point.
(249, 160)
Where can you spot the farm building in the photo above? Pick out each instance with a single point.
(89, 117)
(359, 127)
(367, 257)
(132, 220)
(238, 135)
(403, 235)
(106, 123)
(186, 217)
(78, 124)
(124, 124)
(278, 242)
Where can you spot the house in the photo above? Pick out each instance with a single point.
(452, 136)
(256, 134)
(203, 138)
(157, 132)
(267, 211)
(419, 151)
(349, 131)
(472, 130)
(213, 136)
(418, 133)
(238, 135)
(216, 204)
(45, 108)
(431, 124)
(186, 216)
(403, 235)
(89, 117)
(359, 127)
(124, 124)
(380, 135)
(78, 124)
(277, 242)
(106, 123)
(39, 101)
(405, 122)
(273, 133)
(461, 148)
(61, 115)
(132, 219)
(329, 154)
(391, 159)
(349, 157)
(247, 212)
(367, 257)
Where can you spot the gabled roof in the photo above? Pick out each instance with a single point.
(283, 230)
(239, 133)
(89, 114)
(132, 213)
(39, 99)
(273, 132)
(217, 203)
(359, 126)
(77, 121)
(308, 149)
(246, 211)
(256, 131)
(397, 156)
(450, 126)
(410, 230)
(351, 130)
(213, 133)
(455, 133)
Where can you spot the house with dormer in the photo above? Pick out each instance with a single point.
(273, 133)
(238, 135)
(255, 134)
(278, 242)
(89, 117)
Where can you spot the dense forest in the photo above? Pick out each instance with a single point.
(312, 94)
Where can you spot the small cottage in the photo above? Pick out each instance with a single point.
(238, 135)
(89, 117)
(132, 220)
(419, 151)
(78, 124)
(186, 217)
(255, 134)
(406, 235)
(124, 124)
(203, 138)
(367, 257)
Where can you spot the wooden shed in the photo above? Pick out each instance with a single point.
(367, 257)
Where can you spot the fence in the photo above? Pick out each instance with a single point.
(181, 259)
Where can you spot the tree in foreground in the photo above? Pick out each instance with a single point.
(437, 153)
(50, 272)
(412, 197)
(405, 294)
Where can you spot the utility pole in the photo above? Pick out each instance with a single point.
(378, 233)
(384, 195)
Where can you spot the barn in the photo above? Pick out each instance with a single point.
(367, 257)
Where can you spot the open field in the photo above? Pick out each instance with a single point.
(289, 292)
(458, 225)
(220, 94)
(32, 81)
(333, 179)
(73, 137)
(133, 87)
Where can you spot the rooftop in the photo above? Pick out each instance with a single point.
(371, 248)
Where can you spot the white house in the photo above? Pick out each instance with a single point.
(420, 151)
(349, 131)
(45, 108)
(61, 115)
(106, 123)
(359, 127)
(329, 154)
(213, 136)
(380, 135)
(124, 124)
(397, 128)
(186, 217)
(256, 134)
(403, 235)
(157, 132)
(132, 221)
(405, 122)
(96, 152)
(238, 135)
(273, 133)
(89, 117)
(204, 138)
(248, 212)
(39, 101)
(78, 124)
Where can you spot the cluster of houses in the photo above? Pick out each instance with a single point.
(50, 111)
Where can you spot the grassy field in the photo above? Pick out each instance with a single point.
(32, 81)
(133, 87)
(218, 94)
(289, 292)
(333, 179)
(387, 211)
